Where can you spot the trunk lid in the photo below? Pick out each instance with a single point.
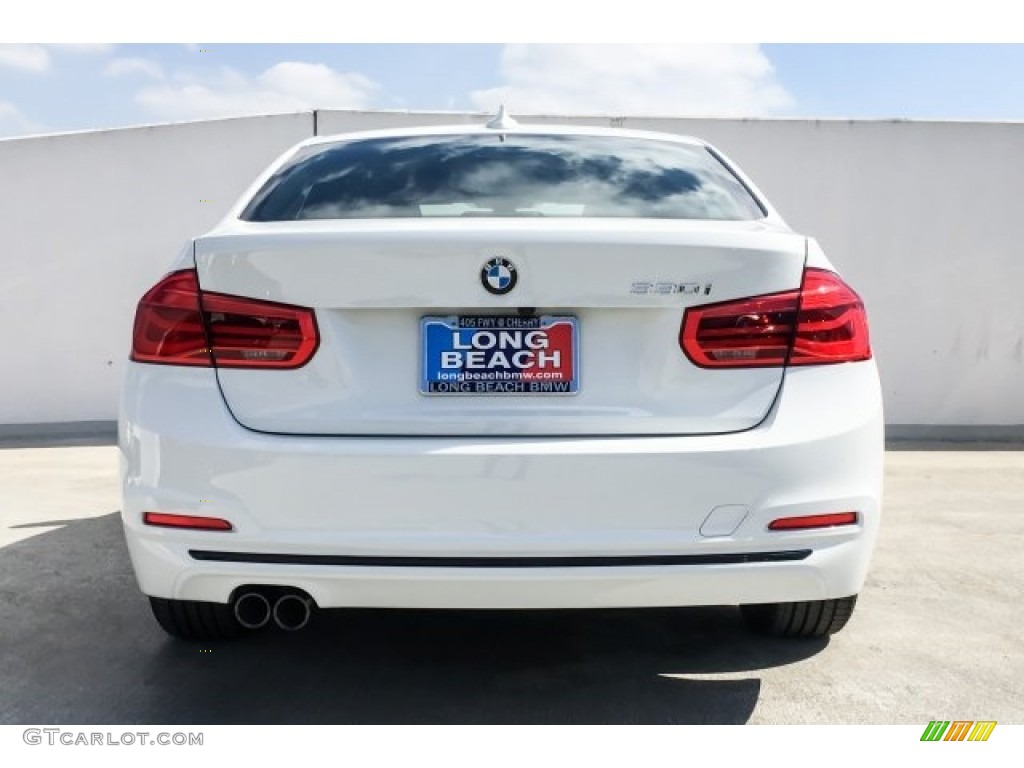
(626, 284)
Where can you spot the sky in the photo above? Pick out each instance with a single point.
(55, 88)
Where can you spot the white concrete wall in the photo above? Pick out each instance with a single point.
(919, 216)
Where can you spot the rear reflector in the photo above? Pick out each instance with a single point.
(229, 332)
(823, 322)
(186, 521)
(813, 521)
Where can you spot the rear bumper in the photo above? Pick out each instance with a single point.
(329, 515)
(519, 587)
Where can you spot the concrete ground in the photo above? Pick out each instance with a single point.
(936, 635)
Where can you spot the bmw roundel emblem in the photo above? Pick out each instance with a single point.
(499, 276)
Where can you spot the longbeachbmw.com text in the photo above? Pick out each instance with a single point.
(72, 738)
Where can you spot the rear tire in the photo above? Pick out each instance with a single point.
(814, 618)
(194, 620)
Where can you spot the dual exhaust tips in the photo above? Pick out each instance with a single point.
(291, 611)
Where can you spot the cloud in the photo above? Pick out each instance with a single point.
(13, 121)
(285, 87)
(93, 48)
(134, 66)
(32, 58)
(318, 84)
(734, 80)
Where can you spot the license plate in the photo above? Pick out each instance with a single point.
(499, 355)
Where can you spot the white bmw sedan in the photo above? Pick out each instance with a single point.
(500, 367)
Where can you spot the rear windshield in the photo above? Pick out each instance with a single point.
(503, 175)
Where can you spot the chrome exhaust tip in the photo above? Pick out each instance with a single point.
(252, 610)
(292, 612)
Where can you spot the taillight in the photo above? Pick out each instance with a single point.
(229, 331)
(833, 326)
(823, 322)
(168, 325)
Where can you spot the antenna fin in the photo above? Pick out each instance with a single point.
(502, 119)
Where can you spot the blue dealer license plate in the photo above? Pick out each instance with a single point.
(499, 355)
